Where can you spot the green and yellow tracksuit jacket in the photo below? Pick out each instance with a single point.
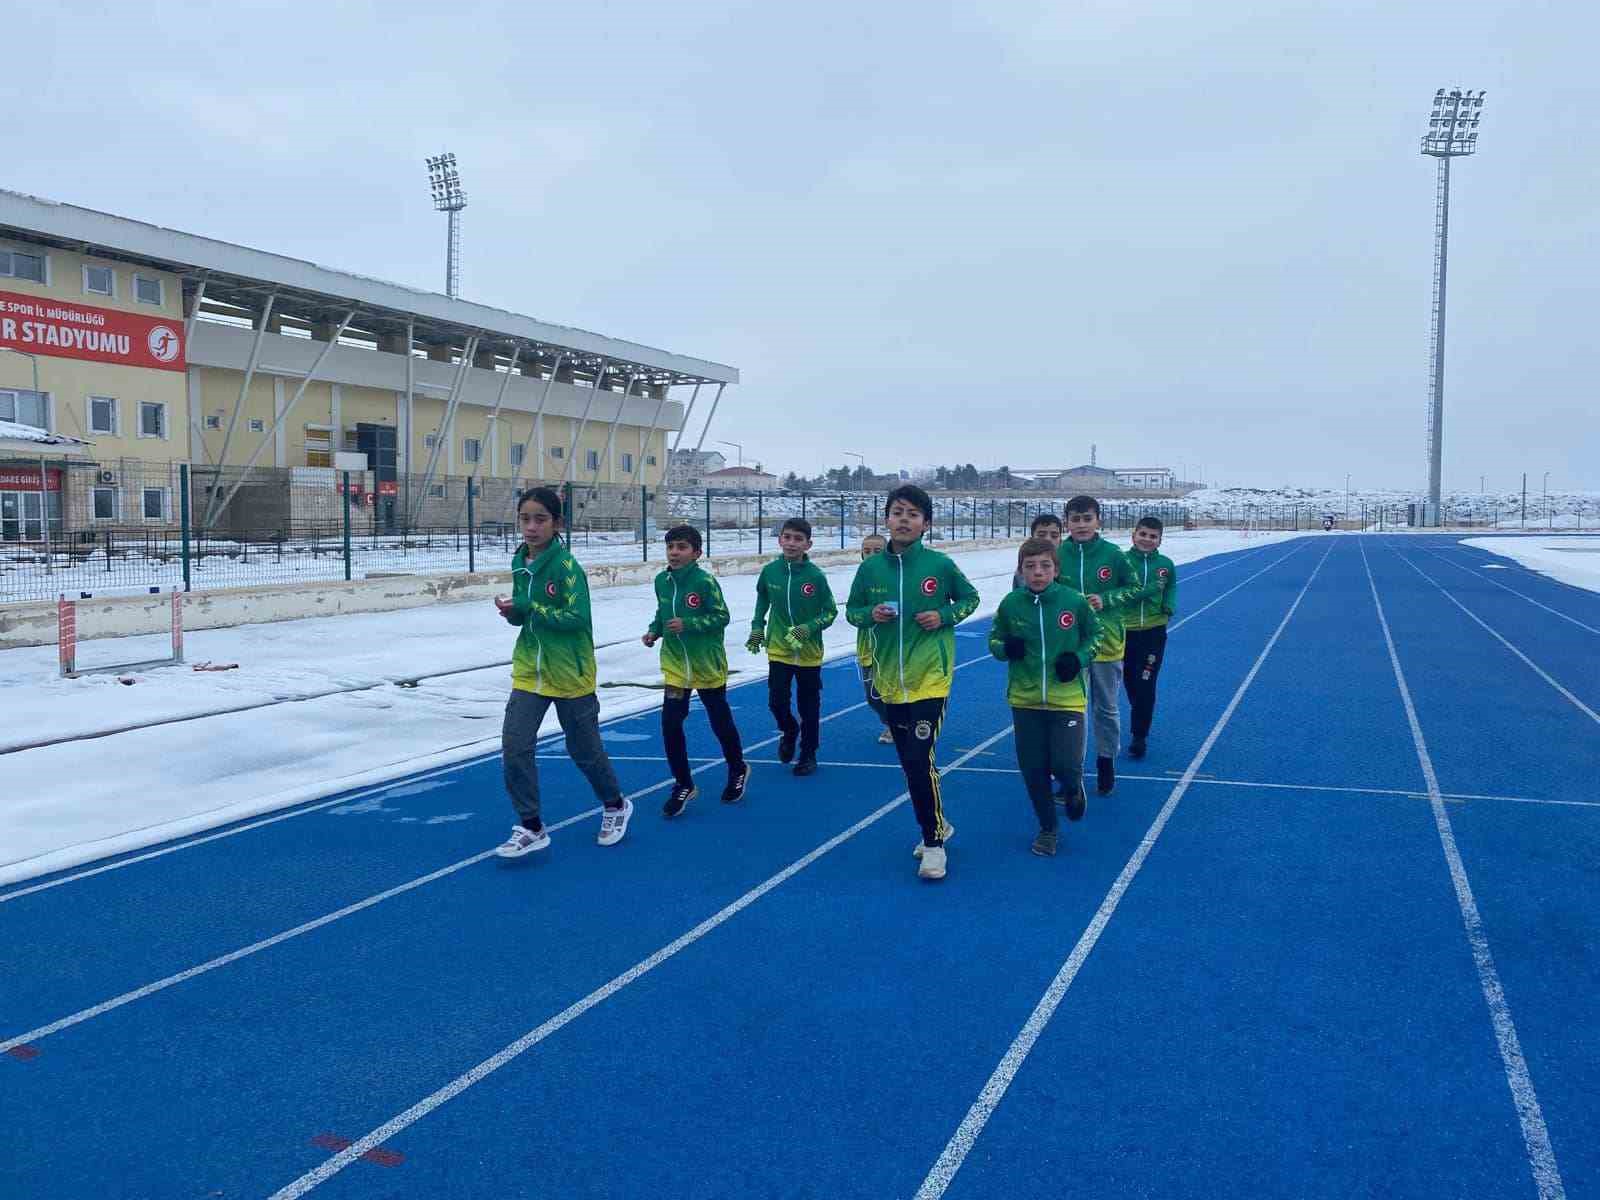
(1050, 623)
(794, 604)
(554, 654)
(1097, 567)
(1153, 568)
(694, 658)
(908, 662)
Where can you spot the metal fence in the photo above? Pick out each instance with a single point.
(131, 526)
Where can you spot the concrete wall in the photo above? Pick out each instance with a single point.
(121, 616)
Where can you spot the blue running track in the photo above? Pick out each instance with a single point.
(1307, 948)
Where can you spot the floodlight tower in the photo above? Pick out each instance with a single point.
(448, 198)
(1452, 133)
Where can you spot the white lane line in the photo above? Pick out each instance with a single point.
(1541, 1155)
(1538, 670)
(1555, 612)
(534, 1036)
(1187, 617)
(944, 1169)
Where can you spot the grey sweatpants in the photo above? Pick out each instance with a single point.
(519, 744)
(1105, 685)
(1049, 743)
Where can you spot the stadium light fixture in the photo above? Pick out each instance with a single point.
(444, 183)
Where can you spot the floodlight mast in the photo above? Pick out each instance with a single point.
(1452, 133)
(445, 184)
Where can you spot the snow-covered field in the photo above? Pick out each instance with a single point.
(70, 803)
(1571, 559)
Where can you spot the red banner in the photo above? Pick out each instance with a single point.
(26, 479)
(388, 487)
(39, 325)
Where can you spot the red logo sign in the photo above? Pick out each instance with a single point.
(808, 589)
(930, 585)
(27, 479)
(693, 600)
(1067, 620)
(1161, 572)
(550, 589)
(1103, 574)
(39, 325)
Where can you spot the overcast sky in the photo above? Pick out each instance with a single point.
(1195, 233)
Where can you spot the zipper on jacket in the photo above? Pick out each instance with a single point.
(1044, 687)
(905, 692)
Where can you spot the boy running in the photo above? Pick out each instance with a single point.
(911, 599)
(793, 606)
(552, 664)
(873, 543)
(1146, 623)
(1103, 574)
(1046, 633)
(691, 616)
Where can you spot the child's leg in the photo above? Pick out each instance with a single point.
(778, 676)
(1106, 682)
(716, 703)
(580, 721)
(808, 685)
(1142, 665)
(674, 711)
(519, 744)
(1067, 735)
(1031, 731)
(916, 740)
(874, 701)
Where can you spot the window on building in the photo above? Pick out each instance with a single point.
(517, 452)
(627, 464)
(258, 425)
(431, 440)
(105, 504)
(103, 415)
(155, 504)
(436, 490)
(146, 290)
(14, 264)
(556, 452)
(102, 281)
(592, 460)
(152, 419)
(213, 422)
(649, 460)
(25, 408)
(471, 450)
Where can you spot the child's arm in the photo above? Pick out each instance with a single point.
(1091, 633)
(829, 613)
(858, 608)
(715, 616)
(758, 625)
(1000, 634)
(656, 626)
(964, 599)
(516, 612)
(1169, 600)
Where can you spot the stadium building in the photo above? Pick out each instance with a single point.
(127, 349)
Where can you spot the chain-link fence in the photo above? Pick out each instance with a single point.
(70, 528)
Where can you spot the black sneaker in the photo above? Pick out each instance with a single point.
(1044, 845)
(1136, 748)
(786, 746)
(734, 792)
(1105, 776)
(1061, 792)
(807, 765)
(1077, 805)
(679, 799)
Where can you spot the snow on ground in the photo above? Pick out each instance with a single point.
(71, 803)
(1571, 559)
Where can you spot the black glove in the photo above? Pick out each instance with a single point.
(1067, 667)
(1015, 648)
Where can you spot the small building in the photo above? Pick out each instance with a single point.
(1148, 479)
(741, 479)
(689, 468)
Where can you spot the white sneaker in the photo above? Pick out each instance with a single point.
(522, 841)
(945, 834)
(932, 863)
(614, 823)
(886, 738)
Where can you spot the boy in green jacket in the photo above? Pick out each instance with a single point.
(911, 599)
(690, 619)
(1147, 628)
(793, 606)
(552, 664)
(1103, 574)
(1046, 633)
